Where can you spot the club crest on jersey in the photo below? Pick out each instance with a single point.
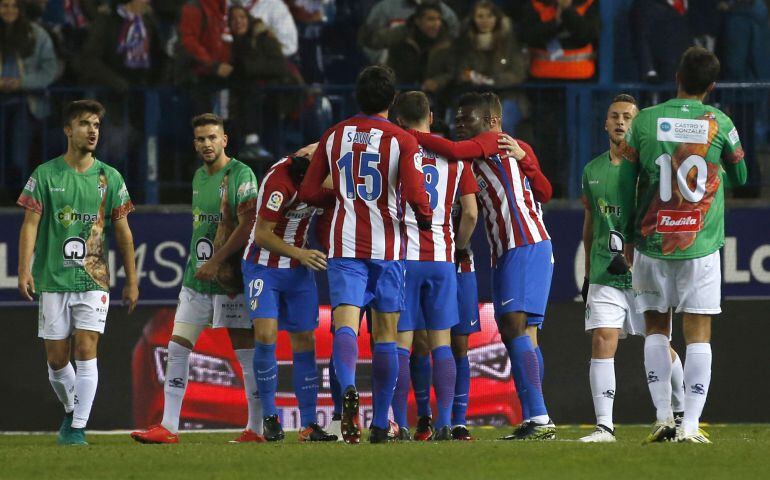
(673, 221)
(102, 189)
(74, 252)
(275, 201)
(683, 130)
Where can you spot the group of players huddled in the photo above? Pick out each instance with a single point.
(395, 208)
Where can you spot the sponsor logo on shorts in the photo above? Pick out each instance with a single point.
(474, 322)
(74, 252)
(683, 130)
(506, 302)
(104, 299)
(254, 303)
(673, 221)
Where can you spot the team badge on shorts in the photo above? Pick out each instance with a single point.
(254, 303)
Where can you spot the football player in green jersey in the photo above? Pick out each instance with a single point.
(683, 149)
(223, 210)
(71, 201)
(608, 195)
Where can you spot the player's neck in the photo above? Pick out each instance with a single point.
(682, 95)
(616, 153)
(78, 161)
(218, 165)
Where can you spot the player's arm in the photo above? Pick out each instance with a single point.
(413, 182)
(125, 242)
(470, 212)
(267, 239)
(27, 238)
(312, 189)
(733, 158)
(464, 150)
(527, 160)
(234, 244)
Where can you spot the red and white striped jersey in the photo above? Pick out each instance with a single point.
(277, 202)
(372, 162)
(512, 216)
(443, 181)
(465, 262)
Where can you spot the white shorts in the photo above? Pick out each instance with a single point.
(610, 307)
(60, 313)
(691, 286)
(205, 309)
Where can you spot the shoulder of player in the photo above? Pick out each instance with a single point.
(278, 176)
(588, 169)
(109, 170)
(238, 168)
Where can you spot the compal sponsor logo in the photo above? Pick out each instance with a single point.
(67, 216)
(671, 221)
(74, 252)
(199, 216)
(606, 209)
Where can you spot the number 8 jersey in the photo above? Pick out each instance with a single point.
(683, 149)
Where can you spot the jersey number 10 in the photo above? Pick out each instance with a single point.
(693, 161)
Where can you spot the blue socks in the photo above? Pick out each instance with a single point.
(540, 363)
(421, 373)
(345, 356)
(334, 387)
(444, 378)
(401, 394)
(266, 373)
(384, 378)
(525, 359)
(305, 377)
(462, 389)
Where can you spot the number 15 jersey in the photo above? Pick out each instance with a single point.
(683, 149)
(372, 163)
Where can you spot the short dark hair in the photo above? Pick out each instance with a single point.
(297, 169)
(624, 98)
(207, 119)
(375, 89)
(427, 5)
(77, 108)
(412, 107)
(494, 104)
(698, 69)
(476, 102)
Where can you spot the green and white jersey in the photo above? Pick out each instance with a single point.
(76, 209)
(217, 201)
(608, 191)
(683, 148)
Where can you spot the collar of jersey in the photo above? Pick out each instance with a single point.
(372, 117)
(71, 170)
(684, 101)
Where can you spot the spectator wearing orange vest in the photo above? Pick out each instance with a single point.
(561, 36)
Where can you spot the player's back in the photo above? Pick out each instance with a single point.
(512, 216)
(364, 154)
(680, 146)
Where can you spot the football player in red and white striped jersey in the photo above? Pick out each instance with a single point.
(280, 286)
(371, 162)
(512, 187)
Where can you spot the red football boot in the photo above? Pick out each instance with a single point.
(155, 434)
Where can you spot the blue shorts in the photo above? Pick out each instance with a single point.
(358, 282)
(467, 304)
(428, 286)
(286, 294)
(521, 281)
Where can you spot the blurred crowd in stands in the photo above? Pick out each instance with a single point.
(211, 47)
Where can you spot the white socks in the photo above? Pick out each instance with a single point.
(697, 377)
(246, 359)
(177, 371)
(86, 379)
(63, 383)
(657, 363)
(602, 375)
(677, 385)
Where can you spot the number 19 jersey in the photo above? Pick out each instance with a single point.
(681, 146)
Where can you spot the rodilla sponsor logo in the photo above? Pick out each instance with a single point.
(673, 221)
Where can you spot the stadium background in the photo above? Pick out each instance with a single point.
(146, 136)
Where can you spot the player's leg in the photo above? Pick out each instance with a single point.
(604, 343)
(468, 311)
(401, 394)
(533, 327)
(677, 387)
(242, 340)
(421, 373)
(55, 329)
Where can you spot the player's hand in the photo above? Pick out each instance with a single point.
(628, 252)
(584, 290)
(424, 225)
(306, 151)
(509, 144)
(207, 271)
(224, 70)
(27, 286)
(312, 259)
(462, 257)
(618, 265)
(130, 296)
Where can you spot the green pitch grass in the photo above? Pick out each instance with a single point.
(739, 452)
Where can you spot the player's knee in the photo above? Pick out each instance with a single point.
(460, 346)
(302, 341)
(241, 338)
(57, 361)
(420, 344)
(604, 343)
(186, 334)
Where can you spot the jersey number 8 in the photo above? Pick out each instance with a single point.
(693, 161)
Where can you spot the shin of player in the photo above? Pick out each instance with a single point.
(223, 204)
(281, 293)
(369, 159)
(72, 201)
(679, 230)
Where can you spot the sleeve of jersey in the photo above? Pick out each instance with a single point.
(121, 203)
(412, 179)
(311, 190)
(465, 150)
(246, 195)
(586, 193)
(541, 187)
(468, 184)
(733, 158)
(276, 192)
(31, 197)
